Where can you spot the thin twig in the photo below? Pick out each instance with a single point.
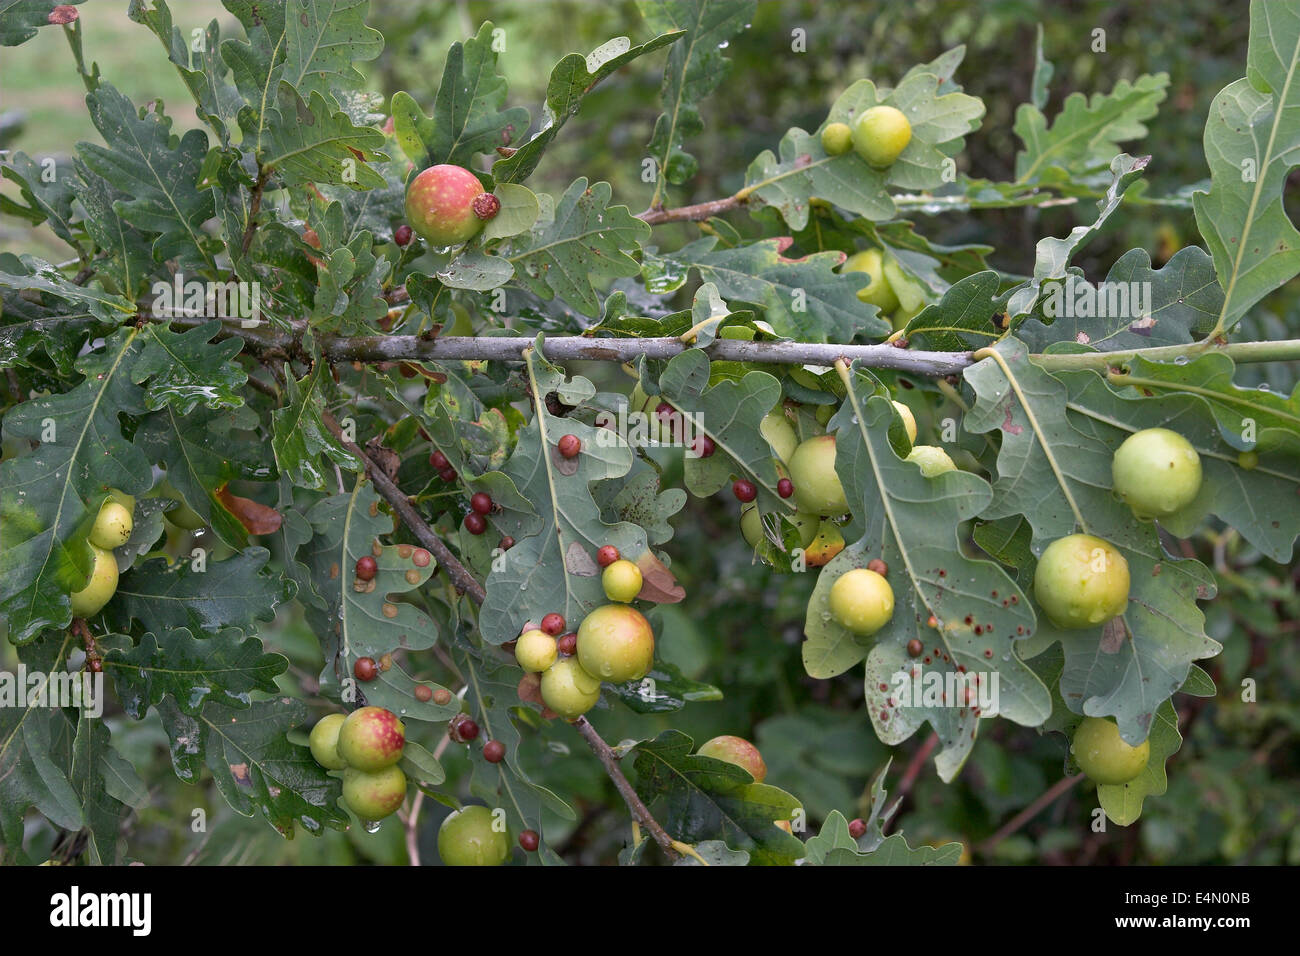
(908, 780)
(640, 812)
(915, 764)
(412, 824)
(1044, 800)
(254, 207)
(460, 576)
(696, 213)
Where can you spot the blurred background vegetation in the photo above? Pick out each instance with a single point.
(1233, 787)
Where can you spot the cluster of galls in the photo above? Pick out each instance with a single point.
(1082, 581)
(463, 729)
(879, 135)
(366, 745)
(614, 643)
(112, 528)
(808, 475)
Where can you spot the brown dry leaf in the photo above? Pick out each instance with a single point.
(1113, 636)
(386, 458)
(657, 582)
(256, 517)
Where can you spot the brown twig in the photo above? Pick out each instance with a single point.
(908, 780)
(254, 207)
(412, 826)
(460, 576)
(640, 812)
(915, 764)
(1045, 799)
(466, 583)
(697, 213)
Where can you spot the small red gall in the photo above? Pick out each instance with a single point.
(703, 446)
(494, 751)
(570, 446)
(785, 487)
(481, 502)
(553, 624)
(744, 490)
(462, 729)
(367, 567)
(474, 523)
(486, 206)
(607, 555)
(365, 669)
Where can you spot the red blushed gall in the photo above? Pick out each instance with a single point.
(570, 446)
(506, 543)
(744, 490)
(785, 487)
(365, 669)
(567, 645)
(474, 523)
(441, 205)
(402, 235)
(553, 624)
(494, 751)
(423, 693)
(529, 841)
(439, 461)
(607, 555)
(367, 567)
(371, 738)
(880, 567)
(481, 502)
(447, 474)
(442, 697)
(857, 828)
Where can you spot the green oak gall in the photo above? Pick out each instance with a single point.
(324, 742)
(373, 796)
(880, 134)
(616, 643)
(1156, 472)
(1081, 581)
(473, 837)
(1103, 754)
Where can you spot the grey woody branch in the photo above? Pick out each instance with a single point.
(562, 348)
